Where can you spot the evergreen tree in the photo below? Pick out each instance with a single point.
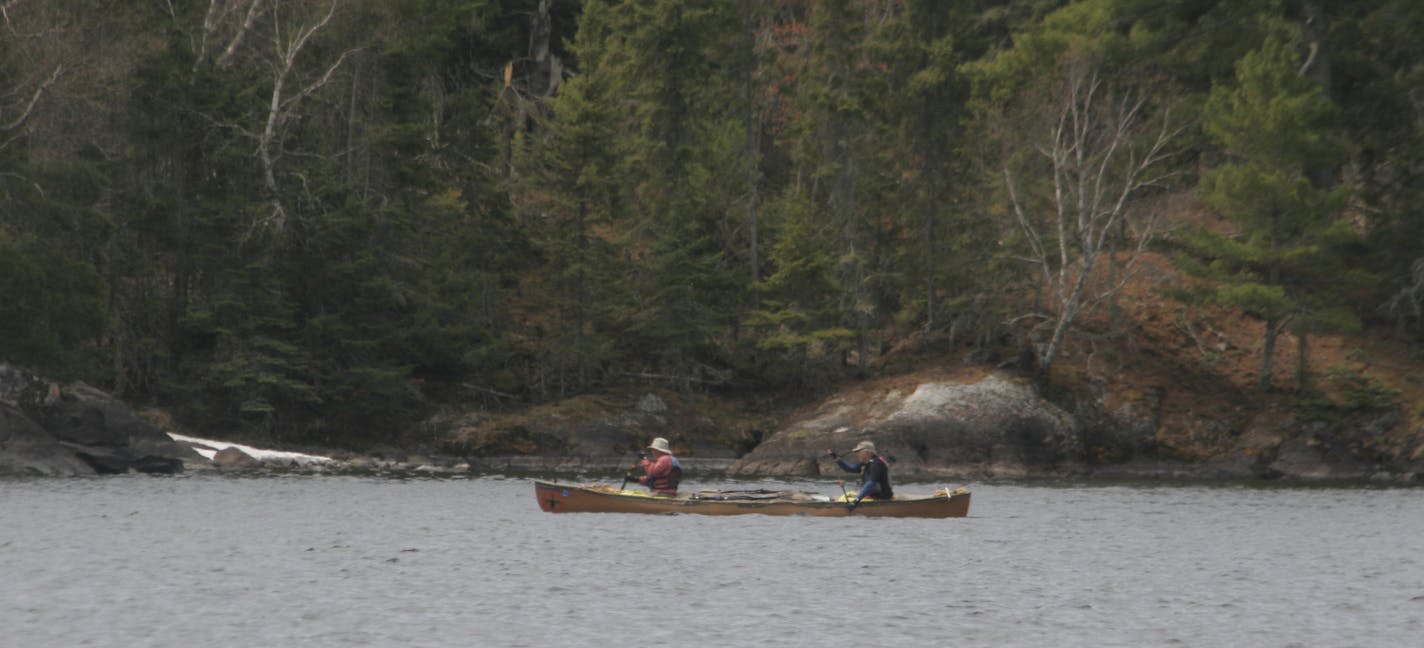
(567, 196)
(388, 266)
(1277, 127)
(1377, 66)
(60, 66)
(52, 315)
(921, 105)
(406, 277)
(832, 144)
(660, 59)
(797, 326)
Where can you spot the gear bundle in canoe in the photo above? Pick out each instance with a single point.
(597, 498)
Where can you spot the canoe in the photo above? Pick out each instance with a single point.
(598, 498)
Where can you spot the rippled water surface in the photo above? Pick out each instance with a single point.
(212, 560)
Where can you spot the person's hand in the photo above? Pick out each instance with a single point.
(642, 455)
(850, 506)
(832, 454)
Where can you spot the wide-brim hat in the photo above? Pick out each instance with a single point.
(864, 445)
(661, 445)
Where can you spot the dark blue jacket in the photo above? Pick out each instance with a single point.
(874, 477)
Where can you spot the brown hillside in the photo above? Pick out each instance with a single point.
(1205, 363)
(1199, 367)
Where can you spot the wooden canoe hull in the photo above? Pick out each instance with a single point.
(567, 498)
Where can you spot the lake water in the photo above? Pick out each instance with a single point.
(213, 561)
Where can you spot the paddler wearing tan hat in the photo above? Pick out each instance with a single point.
(873, 469)
(662, 471)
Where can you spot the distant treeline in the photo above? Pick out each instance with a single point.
(324, 218)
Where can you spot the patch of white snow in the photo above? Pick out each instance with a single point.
(210, 447)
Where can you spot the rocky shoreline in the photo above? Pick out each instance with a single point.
(961, 428)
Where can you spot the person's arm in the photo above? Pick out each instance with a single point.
(848, 467)
(870, 487)
(659, 468)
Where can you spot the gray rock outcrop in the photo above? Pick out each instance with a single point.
(47, 428)
(993, 427)
(587, 434)
(26, 449)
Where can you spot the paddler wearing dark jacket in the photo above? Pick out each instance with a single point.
(874, 473)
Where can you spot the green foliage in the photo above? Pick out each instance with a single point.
(659, 62)
(1286, 257)
(796, 326)
(1274, 118)
(1261, 300)
(1346, 390)
(570, 167)
(715, 187)
(1376, 64)
(51, 311)
(929, 270)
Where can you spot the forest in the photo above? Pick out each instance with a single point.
(323, 220)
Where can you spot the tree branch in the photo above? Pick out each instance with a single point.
(1095, 171)
(253, 11)
(279, 107)
(34, 98)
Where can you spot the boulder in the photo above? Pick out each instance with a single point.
(994, 426)
(26, 449)
(1302, 459)
(25, 390)
(80, 424)
(107, 434)
(231, 458)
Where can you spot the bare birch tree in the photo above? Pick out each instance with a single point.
(1101, 153)
(19, 95)
(17, 105)
(225, 27)
(229, 28)
(287, 46)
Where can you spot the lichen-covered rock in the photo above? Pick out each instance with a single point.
(992, 426)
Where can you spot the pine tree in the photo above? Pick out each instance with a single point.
(1275, 192)
(61, 64)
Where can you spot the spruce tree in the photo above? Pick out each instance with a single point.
(661, 60)
(799, 333)
(568, 182)
(920, 105)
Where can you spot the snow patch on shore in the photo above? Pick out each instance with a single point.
(210, 447)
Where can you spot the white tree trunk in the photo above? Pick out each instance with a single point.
(1097, 169)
